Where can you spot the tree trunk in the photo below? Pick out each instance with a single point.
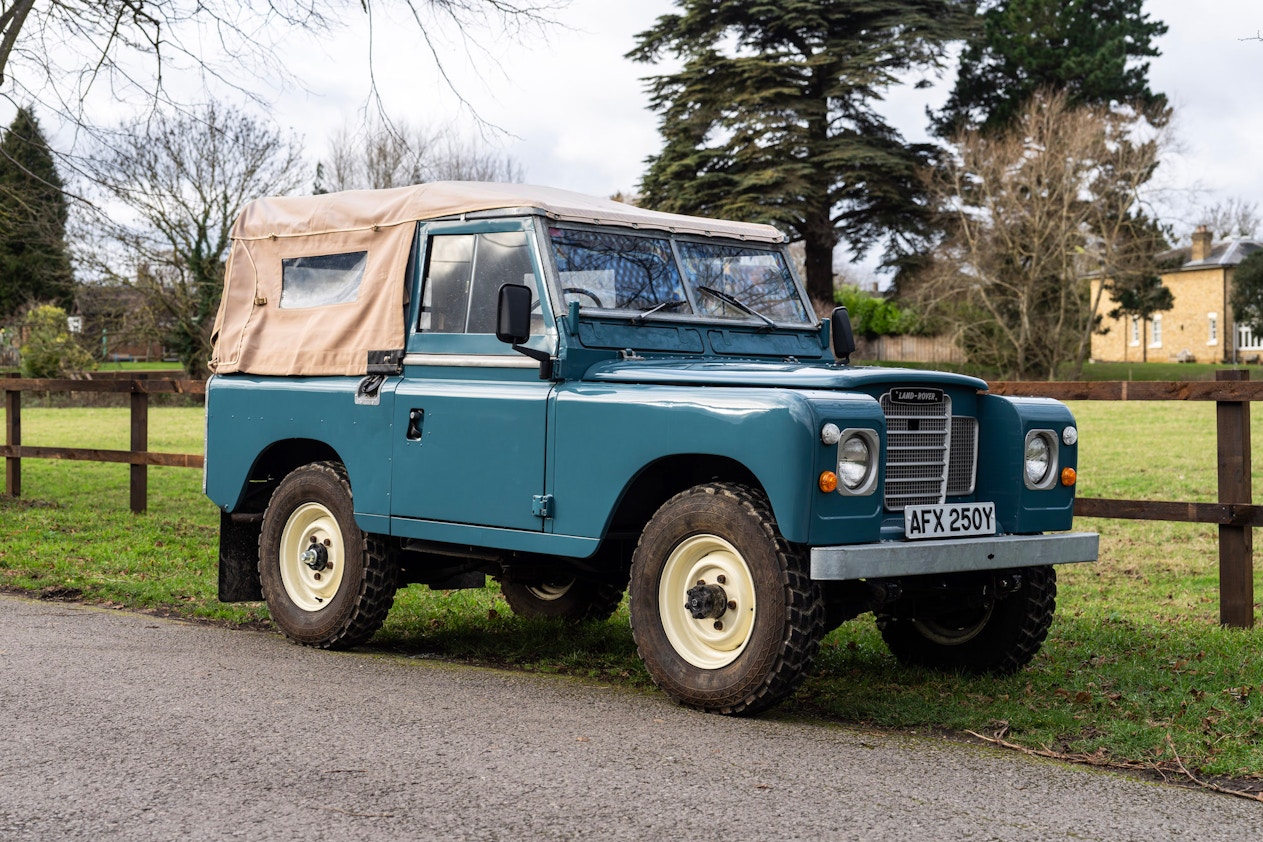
(819, 238)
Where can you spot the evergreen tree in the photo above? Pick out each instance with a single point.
(1246, 297)
(772, 118)
(1090, 50)
(34, 262)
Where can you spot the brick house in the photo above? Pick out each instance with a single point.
(1200, 326)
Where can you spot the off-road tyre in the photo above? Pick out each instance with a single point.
(343, 604)
(573, 600)
(766, 643)
(997, 639)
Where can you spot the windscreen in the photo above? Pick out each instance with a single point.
(640, 273)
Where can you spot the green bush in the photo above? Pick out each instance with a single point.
(873, 316)
(49, 349)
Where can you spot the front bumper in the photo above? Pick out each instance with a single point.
(958, 555)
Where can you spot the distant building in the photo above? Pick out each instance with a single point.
(117, 324)
(1200, 326)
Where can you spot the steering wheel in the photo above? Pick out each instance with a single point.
(585, 292)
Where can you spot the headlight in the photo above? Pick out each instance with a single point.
(857, 461)
(853, 462)
(1040, 463)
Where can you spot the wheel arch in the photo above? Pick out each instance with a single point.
(239, 527)
(667, 476)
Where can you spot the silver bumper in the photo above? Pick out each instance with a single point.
(914, 558)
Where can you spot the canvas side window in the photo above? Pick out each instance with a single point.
(466, 271)
(321, 280)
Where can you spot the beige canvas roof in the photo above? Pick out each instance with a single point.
(254, 334)
(308, 215)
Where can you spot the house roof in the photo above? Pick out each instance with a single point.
(1222, 254)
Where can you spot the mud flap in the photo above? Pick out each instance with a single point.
(239, 559)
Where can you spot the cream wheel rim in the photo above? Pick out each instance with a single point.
(313, 557)
(549, 591)
(945, 633)
(711, 642)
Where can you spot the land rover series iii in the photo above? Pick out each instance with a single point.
(439, 383)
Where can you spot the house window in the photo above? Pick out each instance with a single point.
(1212, 328)
(1135, 330)
(1155, 332)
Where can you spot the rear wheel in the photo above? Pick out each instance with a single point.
(326, 583)
(997, 635)
(563, 598)
(723, 611)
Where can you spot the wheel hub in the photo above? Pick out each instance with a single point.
(316, 556)
(706, 601)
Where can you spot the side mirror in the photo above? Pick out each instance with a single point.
(513, 314)
(843, 336)
(513, 325)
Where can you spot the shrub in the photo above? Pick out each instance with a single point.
(873, 316)
(48, 348)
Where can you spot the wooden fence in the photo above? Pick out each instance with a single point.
(1234, 513)
(138, 455)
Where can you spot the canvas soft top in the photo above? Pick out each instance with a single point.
(255, 334)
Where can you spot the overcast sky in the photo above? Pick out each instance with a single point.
(575, 114)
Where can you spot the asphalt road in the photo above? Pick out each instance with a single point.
(125, 726)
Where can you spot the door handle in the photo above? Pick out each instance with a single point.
(415, 419)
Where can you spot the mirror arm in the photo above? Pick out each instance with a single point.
(544, 359)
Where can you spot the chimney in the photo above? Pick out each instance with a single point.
(1201, 244)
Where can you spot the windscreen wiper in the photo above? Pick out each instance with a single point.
(736, 302)
(673, 304)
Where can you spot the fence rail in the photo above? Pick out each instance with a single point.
(1232, 391)
(138, 455)
(1234, 513)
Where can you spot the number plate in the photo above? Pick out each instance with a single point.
(950, 520)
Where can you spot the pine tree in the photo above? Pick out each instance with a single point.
(1090, 50)
(34, 262)
(772, 118)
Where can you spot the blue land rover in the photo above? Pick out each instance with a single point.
(440, 383)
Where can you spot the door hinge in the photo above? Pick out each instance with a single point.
(542, 505)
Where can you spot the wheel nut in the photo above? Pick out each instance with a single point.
(328, 543)
(723, 580)
(701, 582)
(313, 539)
(719, 625)
(732, 605)
(317, 577)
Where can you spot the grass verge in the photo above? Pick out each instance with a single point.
(1136, 671)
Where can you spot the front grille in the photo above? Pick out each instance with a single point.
(930, 453)
(961, 464)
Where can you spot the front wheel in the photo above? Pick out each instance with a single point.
(724, 613)
(326, 583)
(563, 598)
(996, 636)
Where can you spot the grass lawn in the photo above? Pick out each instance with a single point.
(1135, 672)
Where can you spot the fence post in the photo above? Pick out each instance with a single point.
(140, 444)
(1236, 543)
(13, 438)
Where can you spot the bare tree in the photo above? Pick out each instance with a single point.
(1031, 213)
(383, 153)
(1234, 217)
(69, 54)
(171, 188)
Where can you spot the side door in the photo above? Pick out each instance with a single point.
(470, 417)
